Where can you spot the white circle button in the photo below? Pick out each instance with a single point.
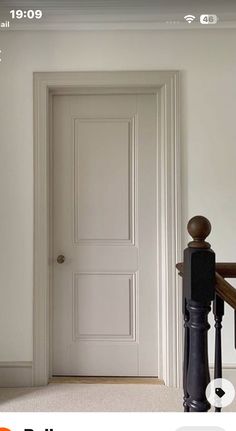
(220, 393)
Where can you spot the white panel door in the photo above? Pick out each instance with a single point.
(104, 218)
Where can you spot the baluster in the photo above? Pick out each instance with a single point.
(199, 288)
(218, 309)
(235, 329)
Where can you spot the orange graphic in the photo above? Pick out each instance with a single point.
(4, 429)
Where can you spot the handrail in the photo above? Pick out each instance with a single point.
(224, 289)
(225, 269)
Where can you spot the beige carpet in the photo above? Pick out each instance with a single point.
(91, 398)
(67, 397)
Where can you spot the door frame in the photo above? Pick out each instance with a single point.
(165, 85)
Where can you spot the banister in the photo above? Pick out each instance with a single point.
(225, 269)
(204, 285)
(225, 291)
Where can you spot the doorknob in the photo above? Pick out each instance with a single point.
(60, 258)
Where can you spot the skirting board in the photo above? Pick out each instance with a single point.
(19, 374)
(15, 374)
(107, 380)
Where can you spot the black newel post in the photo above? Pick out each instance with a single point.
(186, 353)
(198, 291)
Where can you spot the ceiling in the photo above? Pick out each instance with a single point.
(119, 14)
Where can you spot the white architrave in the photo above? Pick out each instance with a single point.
(165, 85)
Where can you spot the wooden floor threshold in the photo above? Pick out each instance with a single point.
(106, 380)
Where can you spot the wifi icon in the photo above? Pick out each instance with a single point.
(189, 18)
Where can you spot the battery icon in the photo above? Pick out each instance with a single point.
(208, 19)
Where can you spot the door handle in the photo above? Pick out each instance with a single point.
(61, 258)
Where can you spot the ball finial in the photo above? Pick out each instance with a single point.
(199, 228)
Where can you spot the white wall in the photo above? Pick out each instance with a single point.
(207, 61)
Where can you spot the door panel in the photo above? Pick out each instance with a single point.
(103, 298)
(104, 191)
(101, 188)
